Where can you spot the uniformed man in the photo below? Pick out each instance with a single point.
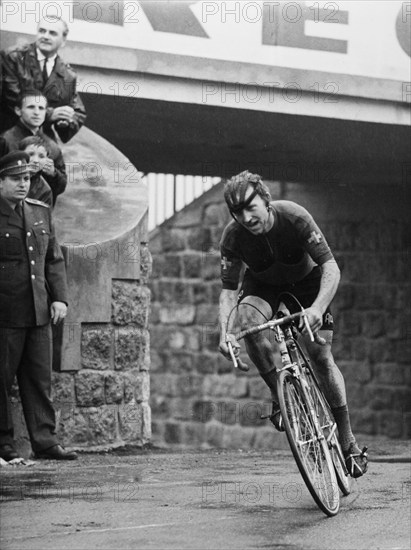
(33, 292)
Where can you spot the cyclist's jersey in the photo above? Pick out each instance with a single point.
(286, 254)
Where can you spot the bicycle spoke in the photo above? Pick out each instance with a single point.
(309, 446)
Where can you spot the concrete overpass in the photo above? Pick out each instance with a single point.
(289, 90)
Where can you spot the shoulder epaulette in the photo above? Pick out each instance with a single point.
(35, 201)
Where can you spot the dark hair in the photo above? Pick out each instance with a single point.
(236, 187)
(29, 93)
(33, 140)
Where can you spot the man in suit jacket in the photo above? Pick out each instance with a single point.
(38, 66)
(31, 110)
(33, 292)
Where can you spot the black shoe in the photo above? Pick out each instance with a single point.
(56, 452)
(8, 452)
(275, 417)
(356, 460)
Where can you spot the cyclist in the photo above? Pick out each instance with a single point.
(283, 250)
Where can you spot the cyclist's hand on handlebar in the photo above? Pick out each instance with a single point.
(314, 318)
(223, 347)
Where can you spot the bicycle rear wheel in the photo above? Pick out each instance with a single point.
(329, 427)
(308, 444)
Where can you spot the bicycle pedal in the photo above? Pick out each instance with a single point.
(265, 416)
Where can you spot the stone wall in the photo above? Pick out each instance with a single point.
(197, 399)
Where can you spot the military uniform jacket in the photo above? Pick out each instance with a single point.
(21, 71)
(32, 270)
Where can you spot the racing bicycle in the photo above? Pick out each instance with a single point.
(309, 423)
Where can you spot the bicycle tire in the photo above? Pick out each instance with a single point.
(311, 453)
(328, 425)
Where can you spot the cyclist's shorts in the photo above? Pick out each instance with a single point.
(306, 291)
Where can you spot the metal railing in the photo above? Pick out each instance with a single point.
(169, 193)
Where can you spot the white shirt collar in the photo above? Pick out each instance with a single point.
(41, 57)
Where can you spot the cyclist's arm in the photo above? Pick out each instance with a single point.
(330, 278)
(228, 300)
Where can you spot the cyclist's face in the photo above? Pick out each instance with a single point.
(255, 217)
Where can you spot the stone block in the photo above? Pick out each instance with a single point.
(62, 390)
(201, 292)
(173, 433)
(192, 265)
(356, 372)
(211, 268)
(390, 373)
(205, 410)
(173, 239)
(146, 431)
(130, 421)
(218, 385)
(179, 361)
(156, 361)
(154, 313)
(215, 214)
(89, 388)
(193, 434)
(239, 388)
(251, 412)
(158, 266)
(258, 388)
(198, 238)
(160, 406)
(189, 385)
(174, 292)
(114, 387)
(269, 439)
(207, 314)
(205, 363)
(364, 421)
(130, 303)
(215, 291)
(375, 324)
(238, 437)
(89, 426)
(214, 434)
(146, 263)
(131, 349)
(181, 408)
(171, 266)
(96, 346)
(379, 397)
(391, 424)
(177, 314)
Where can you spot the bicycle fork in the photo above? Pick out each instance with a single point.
(286, 346)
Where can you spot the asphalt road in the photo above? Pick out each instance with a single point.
(197, 500)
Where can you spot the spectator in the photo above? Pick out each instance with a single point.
(36, 149)
(31, 110)
(39, 66)
(33, 292)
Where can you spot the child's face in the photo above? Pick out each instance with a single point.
(38, 156)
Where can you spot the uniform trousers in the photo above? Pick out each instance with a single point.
(27, 353)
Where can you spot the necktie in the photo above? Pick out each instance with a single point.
(45, 74)
(19, 209)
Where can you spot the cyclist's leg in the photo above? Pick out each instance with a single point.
(254, 310)
(333, 386)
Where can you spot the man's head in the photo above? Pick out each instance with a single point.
(248, 200)
(14, 177)
(37, 151)
(31, 109)
(51, 35)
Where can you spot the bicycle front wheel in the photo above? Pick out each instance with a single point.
(308, 444)
(329, 427)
